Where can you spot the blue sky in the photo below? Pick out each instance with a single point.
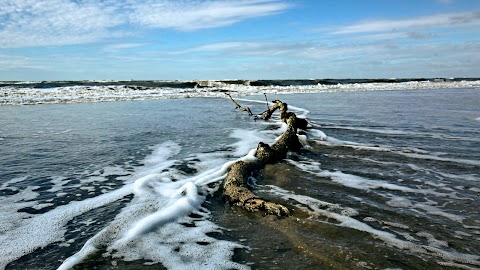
(251, 39)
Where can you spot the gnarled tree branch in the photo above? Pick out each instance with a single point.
(235, 186)
(238, 105)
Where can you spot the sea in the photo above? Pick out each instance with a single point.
(128, 175)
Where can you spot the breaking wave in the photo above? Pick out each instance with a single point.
(12, 93)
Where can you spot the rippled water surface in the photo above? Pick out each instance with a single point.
(387, 180)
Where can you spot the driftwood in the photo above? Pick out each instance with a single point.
(235, 187)
(238, 105)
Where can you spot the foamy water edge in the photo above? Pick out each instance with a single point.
(12, 95)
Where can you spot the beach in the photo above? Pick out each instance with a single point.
(387, 178)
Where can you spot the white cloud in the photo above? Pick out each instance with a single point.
(122, 46)
(316, 59)
(434, 21)
(54, 22)
(217, 47)
(307, 50)
(8, 62)
(255, 49)
(194, 15)
(381, 58)
(32, 23)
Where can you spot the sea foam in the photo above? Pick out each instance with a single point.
(319, 208)
(12, 94)
(164, 199)
(411, 152)
(159, 214)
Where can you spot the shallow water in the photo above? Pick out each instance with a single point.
(388, 180)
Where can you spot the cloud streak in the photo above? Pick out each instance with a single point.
(242, 48)
(306, 50)
(446, 20)
(200, 15)
(32, 23)
(8, 62)
(122, 46)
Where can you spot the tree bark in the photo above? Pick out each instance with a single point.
(235, 187)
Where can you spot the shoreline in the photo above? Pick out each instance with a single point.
(61, 93)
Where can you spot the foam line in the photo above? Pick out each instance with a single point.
(163, 152)
(247, 139)
(402, 132)
(436, 211)
(349, 180)
(115, 92)
(86, 250)
(322, 138)
(357, 182)
(388, 238)
(187, 201)
(42, 230)
(219, 174)
(373, 130)
(300, 112)
(468, 177)
(14, 181)
(156, 211)
(362, 183)
(445, 159)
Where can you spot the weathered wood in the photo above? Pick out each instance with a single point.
(266, 115)
(266, 101)
(236, 189)
(238, 105)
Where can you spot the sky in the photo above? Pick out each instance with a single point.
(251, 39)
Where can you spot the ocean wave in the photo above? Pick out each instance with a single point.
(15, 93)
